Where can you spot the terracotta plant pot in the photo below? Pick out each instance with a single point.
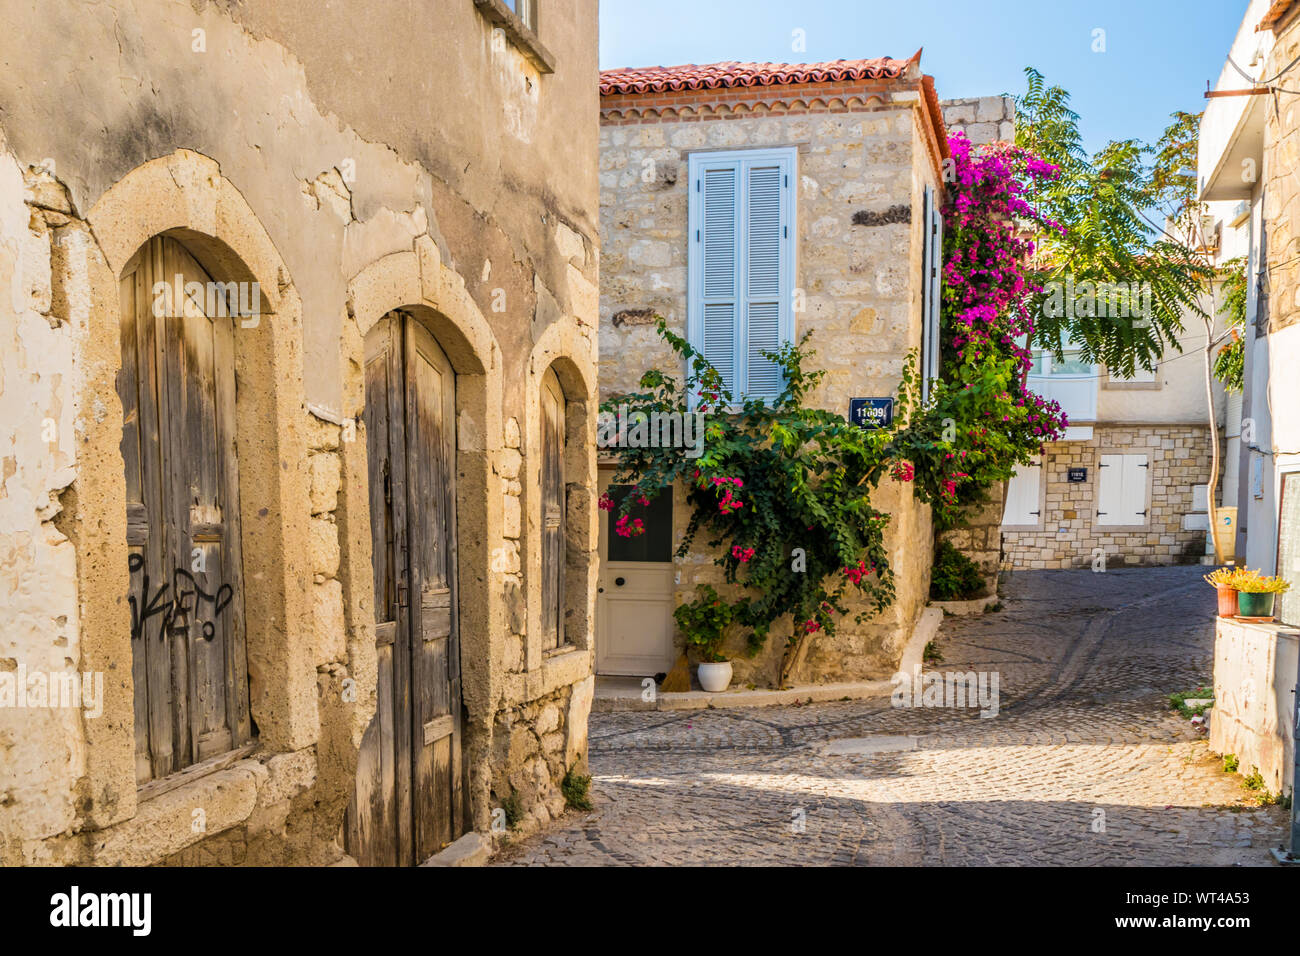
(1255, 605)
(715, 677)
(1227, 600)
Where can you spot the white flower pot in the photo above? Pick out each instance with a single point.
(715, 677)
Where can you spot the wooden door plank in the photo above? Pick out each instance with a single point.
(553, 518)
(431, 454)
(403, 730)
(155, 586)
(372, 815)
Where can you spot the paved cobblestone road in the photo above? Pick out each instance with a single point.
(1083, 730)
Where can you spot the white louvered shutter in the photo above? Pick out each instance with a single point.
(719, 305)
(763, 291)
(742, 259)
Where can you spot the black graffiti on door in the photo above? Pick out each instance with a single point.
(175, 611)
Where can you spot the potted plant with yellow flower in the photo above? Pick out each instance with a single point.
(1223, 581)
(1257, 595)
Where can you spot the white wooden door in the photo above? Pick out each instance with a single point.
(634, 600)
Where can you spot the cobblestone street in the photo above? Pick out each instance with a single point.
(1083, 765)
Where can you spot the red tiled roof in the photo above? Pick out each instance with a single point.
(713, 76)
(1275, 14)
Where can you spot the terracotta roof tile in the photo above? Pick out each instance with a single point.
(712, 76)
(1275, 14)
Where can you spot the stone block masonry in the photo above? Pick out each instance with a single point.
(1070, 533)
(865, 155)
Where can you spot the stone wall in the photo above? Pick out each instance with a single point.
(978, 534)
(984, 119)
(862, 289)
(1180, 460)
(241, 131)
(1281, 188)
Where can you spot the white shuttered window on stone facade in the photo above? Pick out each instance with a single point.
(1122, 490)
(741, 258)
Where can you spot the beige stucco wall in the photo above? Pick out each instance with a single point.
(453, 179)
(1254, 680)
(1177, 395)
(862, 290)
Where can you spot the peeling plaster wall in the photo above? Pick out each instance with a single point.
(409, 145)
(38, 565)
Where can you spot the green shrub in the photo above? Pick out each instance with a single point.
(955, 577)
(1178, 701)
(514, 808)
(576, 787)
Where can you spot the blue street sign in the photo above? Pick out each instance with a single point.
(871, 412)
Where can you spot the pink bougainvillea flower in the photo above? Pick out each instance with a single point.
(606, 503)
(743, 555)
(811, 627)
(627, 528)
(903, 471)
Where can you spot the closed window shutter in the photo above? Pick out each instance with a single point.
(1110, 500)
(1135, 489)
(1122, 490)
(1022, 496)
(741, 266)
(763, 281)
(719, 304)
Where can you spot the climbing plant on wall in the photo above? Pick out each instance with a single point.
(782, 489)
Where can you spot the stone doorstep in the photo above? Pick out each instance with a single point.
(627, 697)
(473, 849)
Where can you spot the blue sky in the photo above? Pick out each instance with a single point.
(1159, 53)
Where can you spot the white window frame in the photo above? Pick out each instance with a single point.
(698, 163)
(1067, 387)
(1142, 379)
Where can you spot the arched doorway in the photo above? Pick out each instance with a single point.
(177, 386)
(409, 801)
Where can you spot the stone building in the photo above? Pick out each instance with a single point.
(1248, 155)
(1128, 480)
(821, 187)
(296, 363)
(1247, 162)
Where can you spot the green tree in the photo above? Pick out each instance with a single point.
(1131, 214)
(1109, 208)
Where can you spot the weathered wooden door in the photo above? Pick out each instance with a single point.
(177, 386)
(408, 802)
(553, 507)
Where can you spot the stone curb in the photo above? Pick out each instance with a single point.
(927, 626)
(473, 849)
(962, 608)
